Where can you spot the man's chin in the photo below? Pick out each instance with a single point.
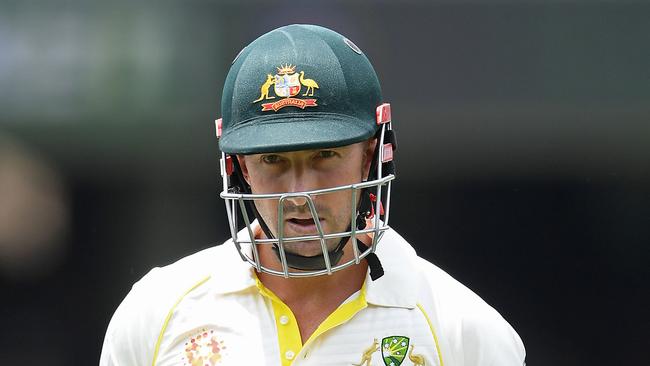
(310, 248)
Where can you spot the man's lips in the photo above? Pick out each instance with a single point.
(308, 221)
(302, 225)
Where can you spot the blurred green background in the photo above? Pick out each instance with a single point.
(523, 161)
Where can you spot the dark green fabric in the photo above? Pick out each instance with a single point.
(346, 99)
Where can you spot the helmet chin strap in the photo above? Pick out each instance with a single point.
(305, 263)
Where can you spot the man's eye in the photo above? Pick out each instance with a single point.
(324, 154)
(271, 159)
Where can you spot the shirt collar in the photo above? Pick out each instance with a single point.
(398, 287)
(232, 273)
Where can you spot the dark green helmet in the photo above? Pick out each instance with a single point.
(298, 87)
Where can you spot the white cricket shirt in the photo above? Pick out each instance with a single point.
(210, 309)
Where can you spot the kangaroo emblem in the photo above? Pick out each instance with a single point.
(366, 358)
(418, 360)
(264, 90)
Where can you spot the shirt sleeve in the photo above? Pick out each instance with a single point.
(132, 332)
(488, 340)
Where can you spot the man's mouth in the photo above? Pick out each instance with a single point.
(309, 221)
(302, 226)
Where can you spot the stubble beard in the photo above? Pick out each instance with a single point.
(313, 247)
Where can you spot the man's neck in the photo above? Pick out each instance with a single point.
(313, 299)
(340, 284)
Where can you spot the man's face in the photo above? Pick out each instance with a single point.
(308, 170)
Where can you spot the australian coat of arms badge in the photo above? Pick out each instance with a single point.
(287, 84)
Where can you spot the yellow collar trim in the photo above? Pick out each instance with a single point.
(342, 314)
(289, 339)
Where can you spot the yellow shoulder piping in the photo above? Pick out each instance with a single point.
(169, 316)
(435, 337)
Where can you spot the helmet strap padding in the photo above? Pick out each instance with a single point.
(312, 263)
(374, 264)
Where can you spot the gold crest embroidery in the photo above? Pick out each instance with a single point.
(418, 360)
(287, 84)
(366, 357)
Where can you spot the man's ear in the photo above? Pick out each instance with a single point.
(368, 154)
(241, 159)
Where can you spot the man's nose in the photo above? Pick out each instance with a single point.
(296, 200)
(300, 181)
